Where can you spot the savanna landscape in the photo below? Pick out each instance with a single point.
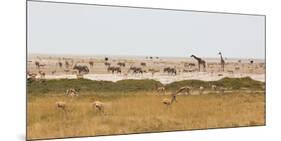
(108, 70)
(69, 105)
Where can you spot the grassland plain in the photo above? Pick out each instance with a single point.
(133, 106)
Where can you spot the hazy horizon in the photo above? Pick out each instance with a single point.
(55, 28)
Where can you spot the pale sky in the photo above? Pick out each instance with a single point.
(56, 28)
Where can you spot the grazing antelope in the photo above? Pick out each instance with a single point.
(42, 74)
(42, 65)
(60, 64)
(121, 64)
(222, 90)
(98, 105)
(79, 76)
(107, 64)
(167, 101)
(153, 71)
(185, 89)
(189, 65)
(161, 90)
(67, 70)
(214, 87)
(201, 90)
(230, 71)
(237, 68)
(61, 105)
(53, 72)
(91, 63)
(66, 64)
(31, 76)
(72, 92)
(143, 64)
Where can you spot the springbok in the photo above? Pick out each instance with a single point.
(185, 89)
(31, 76)
(201, 90)
(167, 101)
(42, 74)
(61, 105)
(72, 92)
(214, 87)
(98, 105)
(161, 90)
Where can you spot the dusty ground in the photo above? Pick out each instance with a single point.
(233, 68)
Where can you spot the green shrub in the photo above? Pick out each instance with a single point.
(85, 85)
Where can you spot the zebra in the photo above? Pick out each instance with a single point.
(80, 69)
(113, 69)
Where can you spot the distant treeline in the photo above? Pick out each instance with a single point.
(86, 85)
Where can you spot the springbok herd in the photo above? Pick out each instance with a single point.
(158, 68)
(186, 90)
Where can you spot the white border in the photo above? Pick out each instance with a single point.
(12, 70)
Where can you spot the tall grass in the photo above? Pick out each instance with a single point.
(133, 106)
(135, 112)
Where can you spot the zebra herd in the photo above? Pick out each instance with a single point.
(82, 67)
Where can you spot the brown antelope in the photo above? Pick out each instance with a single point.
(161, 90)
(72, 92)
(61, 105)
(42, 74)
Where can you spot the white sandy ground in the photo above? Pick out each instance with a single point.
(164, 79)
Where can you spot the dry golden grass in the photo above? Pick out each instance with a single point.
(140, 112)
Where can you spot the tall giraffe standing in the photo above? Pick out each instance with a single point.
(200, 62)
(222, 61)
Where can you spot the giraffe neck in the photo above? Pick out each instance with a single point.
(221, 57)
(198, 59)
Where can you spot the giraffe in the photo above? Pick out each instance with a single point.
(222, 61)
(200, 62)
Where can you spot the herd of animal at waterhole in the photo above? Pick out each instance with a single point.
(150, 65)
(40, 67)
